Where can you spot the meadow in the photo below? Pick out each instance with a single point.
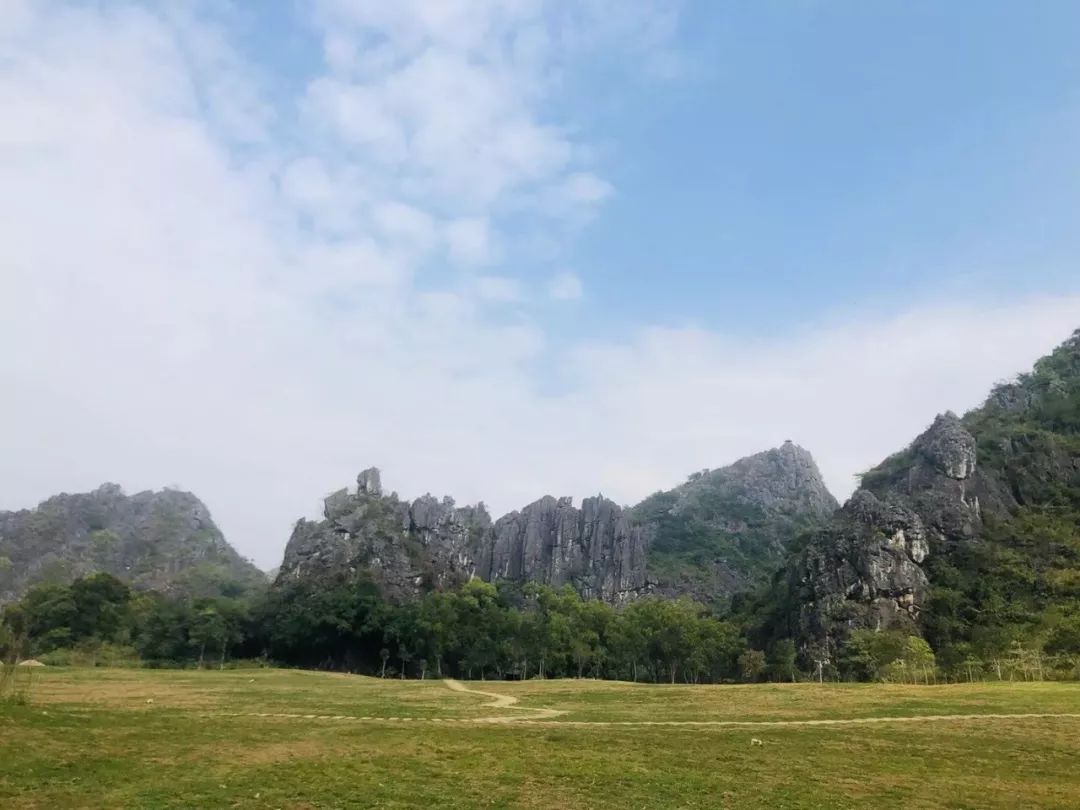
(268, 738)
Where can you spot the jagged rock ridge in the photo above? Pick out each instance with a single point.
(164, 540)
(403, 548)
(595, 548)
(601, 549)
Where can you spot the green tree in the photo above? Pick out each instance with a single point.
(780, 660)
(752, 665)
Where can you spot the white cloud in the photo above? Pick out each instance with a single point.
(469, 241)
(406, 225)
(252, 324)
(499, 289)
(565, 287)
(587, 188)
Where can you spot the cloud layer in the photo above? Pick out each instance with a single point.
(210, 283)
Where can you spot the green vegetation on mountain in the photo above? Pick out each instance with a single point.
(1019, 583)
(727, 530)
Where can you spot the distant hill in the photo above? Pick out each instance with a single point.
(727, 530)
(164, 540)
(721, 532)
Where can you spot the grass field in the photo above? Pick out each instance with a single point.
(288, 739)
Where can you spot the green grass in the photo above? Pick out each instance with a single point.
(615, 701)
(88, 738)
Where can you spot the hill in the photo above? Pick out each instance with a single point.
(163, 540)
(727, 530)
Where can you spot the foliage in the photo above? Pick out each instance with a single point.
(475, 631)
(98, 620)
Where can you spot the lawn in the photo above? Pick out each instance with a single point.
(287, 739)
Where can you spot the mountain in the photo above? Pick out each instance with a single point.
(719, 533)
(726, 530)
(161, 540)
(969, 537)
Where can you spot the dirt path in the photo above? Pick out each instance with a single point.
(545, 717)
(499, 701)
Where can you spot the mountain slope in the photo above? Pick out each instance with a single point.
(162, 540)
(970, 536)
(727, 530)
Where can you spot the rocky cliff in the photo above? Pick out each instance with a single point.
(720, 532)
(975, 525)
(162, 540)
(596, 549)
(864, 570)
(404, 548)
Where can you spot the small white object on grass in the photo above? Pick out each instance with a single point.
(756, 741)
(149, 701)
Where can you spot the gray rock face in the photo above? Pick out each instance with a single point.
(948, 447)
(369, 482)
(863, 570)
(785, 479)
(164, 540)
(595, 549)
(600, 549)
(405, 549)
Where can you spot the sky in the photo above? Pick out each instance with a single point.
(504, 248)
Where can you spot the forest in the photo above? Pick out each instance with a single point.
(478, 631)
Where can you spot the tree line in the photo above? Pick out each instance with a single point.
(477, 631)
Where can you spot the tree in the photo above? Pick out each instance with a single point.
(752, 665)
(780, 660)
(101, 605)
(208, 628)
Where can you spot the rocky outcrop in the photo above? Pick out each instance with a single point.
(987, 503)
(784, 480)
(595, 549)
(404, 549)
(864, 570)
(861, 572)
(730, 526)
(164, 540)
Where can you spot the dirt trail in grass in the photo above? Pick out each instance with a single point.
(546, 717)
(499, 701)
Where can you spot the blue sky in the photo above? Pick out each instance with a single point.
(847, 152)
(899, 148)
(503, 248)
